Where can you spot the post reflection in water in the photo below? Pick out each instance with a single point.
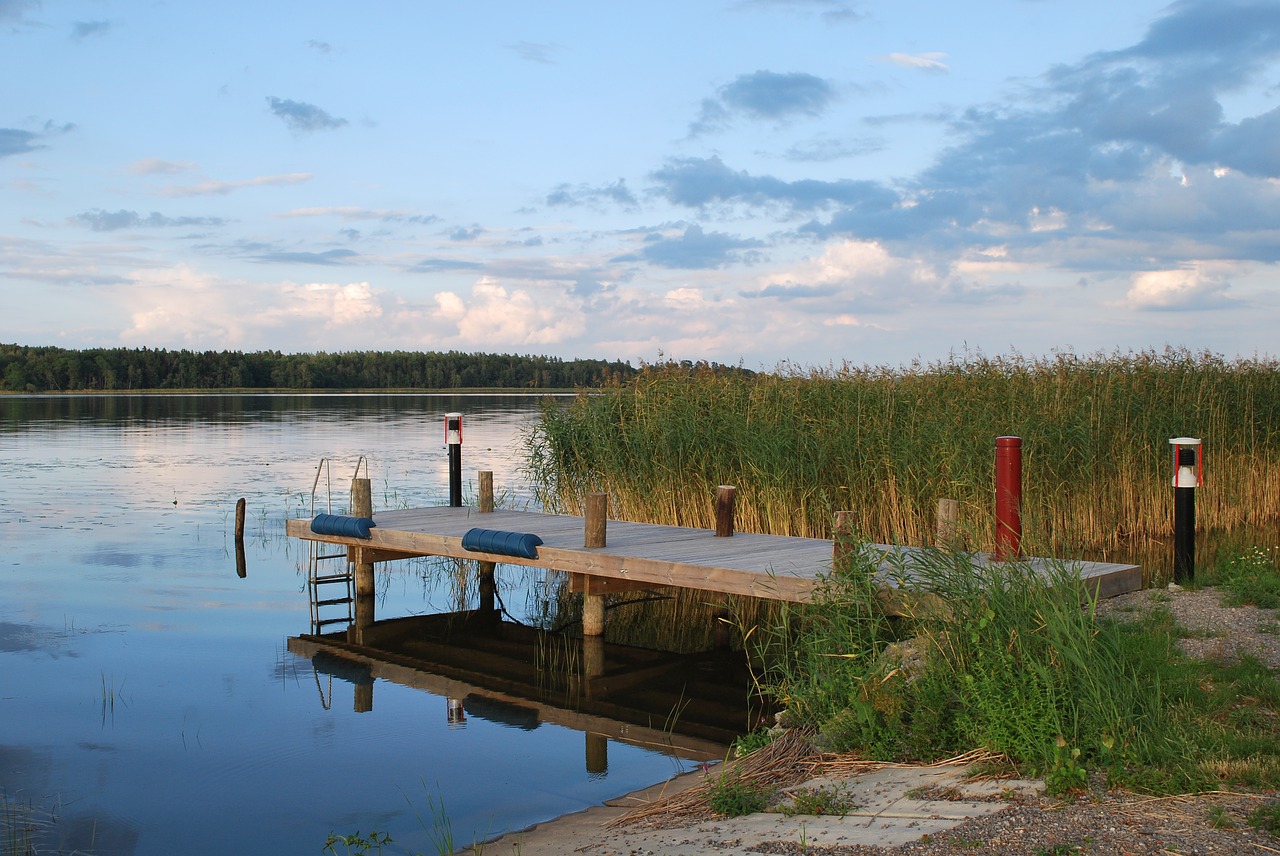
(521, 677)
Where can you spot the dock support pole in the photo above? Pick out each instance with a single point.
(948, 524)
(1008, 498)
(362, 506)
(725, 500)
(453, 439)
(485, 582)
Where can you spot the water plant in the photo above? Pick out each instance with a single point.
(801, 445)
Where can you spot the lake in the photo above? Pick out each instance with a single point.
(149, 702)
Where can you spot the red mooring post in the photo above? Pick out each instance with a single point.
(1008, 498)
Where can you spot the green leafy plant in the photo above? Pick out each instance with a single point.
(1250, 576)
(1066, 775)
(731, 795)
(818, 802)
(356, 844)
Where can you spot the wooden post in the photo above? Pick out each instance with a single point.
(486, 491)
(242, 566)
(947, 523)
(362, 506)
(725, 497)
(596, 520)
(843, 541)
(488, 588)
(592, 614)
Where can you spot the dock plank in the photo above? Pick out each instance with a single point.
(776, 567)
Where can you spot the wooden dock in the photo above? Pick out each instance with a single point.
(640, 555)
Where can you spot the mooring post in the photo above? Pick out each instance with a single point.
(592, 611)
(485, 505)
(362, 506)
(453, 439)
(596, 520)
(1188, 474)
(726, 497)
(593, 663)
(948, 523)
(1008, 498)
(843, 541)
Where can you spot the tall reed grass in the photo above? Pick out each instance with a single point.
(801, 445)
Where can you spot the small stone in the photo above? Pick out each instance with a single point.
(1174, 587)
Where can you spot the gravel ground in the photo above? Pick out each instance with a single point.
(1105, 822)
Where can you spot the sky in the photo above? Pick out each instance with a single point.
(755, 182)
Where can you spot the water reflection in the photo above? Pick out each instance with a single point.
(520, 677)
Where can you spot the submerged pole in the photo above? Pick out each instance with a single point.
(1008, 498)
(453, 439)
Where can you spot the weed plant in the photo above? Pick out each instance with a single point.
(888, 443)
(1250, 576)
(733, 796)
(1013, 659)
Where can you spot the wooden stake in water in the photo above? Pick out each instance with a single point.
(486, 492)
(596, 521)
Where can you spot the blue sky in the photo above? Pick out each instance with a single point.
(755, 181)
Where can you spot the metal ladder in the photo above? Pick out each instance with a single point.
(330, 589)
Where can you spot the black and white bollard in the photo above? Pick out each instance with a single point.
(1188, 474)
(453, 439)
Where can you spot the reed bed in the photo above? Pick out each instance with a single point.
(887, 444)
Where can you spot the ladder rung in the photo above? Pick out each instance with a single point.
(332, 578)
(332, 556)
(331, 602)
(333, 621)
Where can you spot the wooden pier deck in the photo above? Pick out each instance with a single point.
(773, 567)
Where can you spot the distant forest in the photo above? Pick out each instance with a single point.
(44, 369)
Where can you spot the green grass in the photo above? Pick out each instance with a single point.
(733, 796)
(1020, 665)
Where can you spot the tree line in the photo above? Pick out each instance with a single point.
(50, 369)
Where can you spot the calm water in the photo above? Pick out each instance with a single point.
(148, 703)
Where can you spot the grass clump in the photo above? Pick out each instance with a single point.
(1250, 576)
(1266, 818)
(732, 795)
(1014, 660)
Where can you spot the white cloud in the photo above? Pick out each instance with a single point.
(495, 317)
(1183, 289)
(210, 187)
(928, 61)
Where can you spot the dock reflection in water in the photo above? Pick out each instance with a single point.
(691, 705)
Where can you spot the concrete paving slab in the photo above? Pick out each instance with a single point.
(894, 805)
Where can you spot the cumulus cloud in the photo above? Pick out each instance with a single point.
(182, 305)
(303, 117)
(1190, 289)
(109, 221)
(495, 313)
(765, 95)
